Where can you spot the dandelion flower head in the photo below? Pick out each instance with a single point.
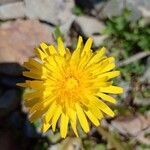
(69, 88)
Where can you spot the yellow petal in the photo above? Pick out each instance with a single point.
(44, 46)
(106, 97)
(96, 112)
(82, 118)
(36, 115)
(98, 68)
(32, 64)
(31, 75)
(79, 44)
(64, 125)
(40, 53)
(31, 102)
(52, 50)
(45, 127)
(87, 47)
(60, 62)
(77, 52)
(108, 68)
(97, 57)
(43, 104)
(49, 114)
(84, 61)
(56, 117)
(111, 59)
(110, 75)
(32, 95)
(37, 85)
(112, 89)
(101, 105)
(73, 120)
(92, 118)
(61, 47)
(101, 84)
(22, 84)
(68, 54)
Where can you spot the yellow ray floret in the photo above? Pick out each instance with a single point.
(69, 88)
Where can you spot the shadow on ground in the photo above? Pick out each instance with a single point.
(16, 132)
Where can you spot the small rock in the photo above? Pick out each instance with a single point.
(9, 101)
(115, 8)
(99, 39)
(8, 1)
(146, 76)
(126, 86)
(12, 11)
(54, 147)
(54, 137)
(68, 144)
(71, 144)
(143, 138)
(19, 38)
(145, 12)
(142, 101)
(65, 28)
(126, 124)
(58, 11)
(90, 25)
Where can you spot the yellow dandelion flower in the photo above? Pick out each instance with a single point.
(69, 87)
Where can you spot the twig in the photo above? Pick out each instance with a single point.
(134, 58)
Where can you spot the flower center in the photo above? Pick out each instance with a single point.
(71, 83)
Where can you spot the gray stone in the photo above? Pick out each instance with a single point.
(146, 75)
(90, 25)
(99, 39)
(68, 144)
(145, 11)
(126, 124)
(56, 12)
(54, 147)
(12, 11)
(8, 1)
(126, 87)
(115, 8)
(65, 28)
(19, 38)
(140, 101)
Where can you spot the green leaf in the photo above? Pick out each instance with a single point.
(100, 147)
(77, 11)
(57, 32)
